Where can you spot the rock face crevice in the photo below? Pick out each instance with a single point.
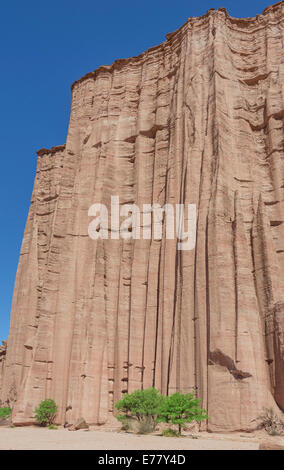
(196, 120)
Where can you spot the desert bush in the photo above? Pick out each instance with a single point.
(53, 427)
(5, 412)
(179, 409)
(142, 405)
(170, 433)
(125, 423)
(271, 422)
(46, 412)
(146, 425)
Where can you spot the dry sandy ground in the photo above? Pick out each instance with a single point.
(33, 438)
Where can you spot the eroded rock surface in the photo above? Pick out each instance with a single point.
(198, 119)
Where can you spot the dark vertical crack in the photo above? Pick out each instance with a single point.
(235, 256)
(207, 303)
(157, 320)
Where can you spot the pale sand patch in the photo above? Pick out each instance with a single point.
(32, 438)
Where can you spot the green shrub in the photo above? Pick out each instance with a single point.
(125, 423)
(52, 426)
(148, 407)
(170, 433)
(179, 409)
(5, 412)
(141, 405)
(46, 412)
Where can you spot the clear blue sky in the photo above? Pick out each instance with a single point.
(45, 46)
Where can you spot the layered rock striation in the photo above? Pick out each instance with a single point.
(196, 120)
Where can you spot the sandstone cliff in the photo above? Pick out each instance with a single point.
(3, 351)
(198, 119)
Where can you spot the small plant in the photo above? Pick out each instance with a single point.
(46, 412)
(170, 433)
(141, 405)
(52, 426)
(179, 409)
(5, 412)
(271, 422)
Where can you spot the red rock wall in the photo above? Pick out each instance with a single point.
(198, 119)
(3, 350)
